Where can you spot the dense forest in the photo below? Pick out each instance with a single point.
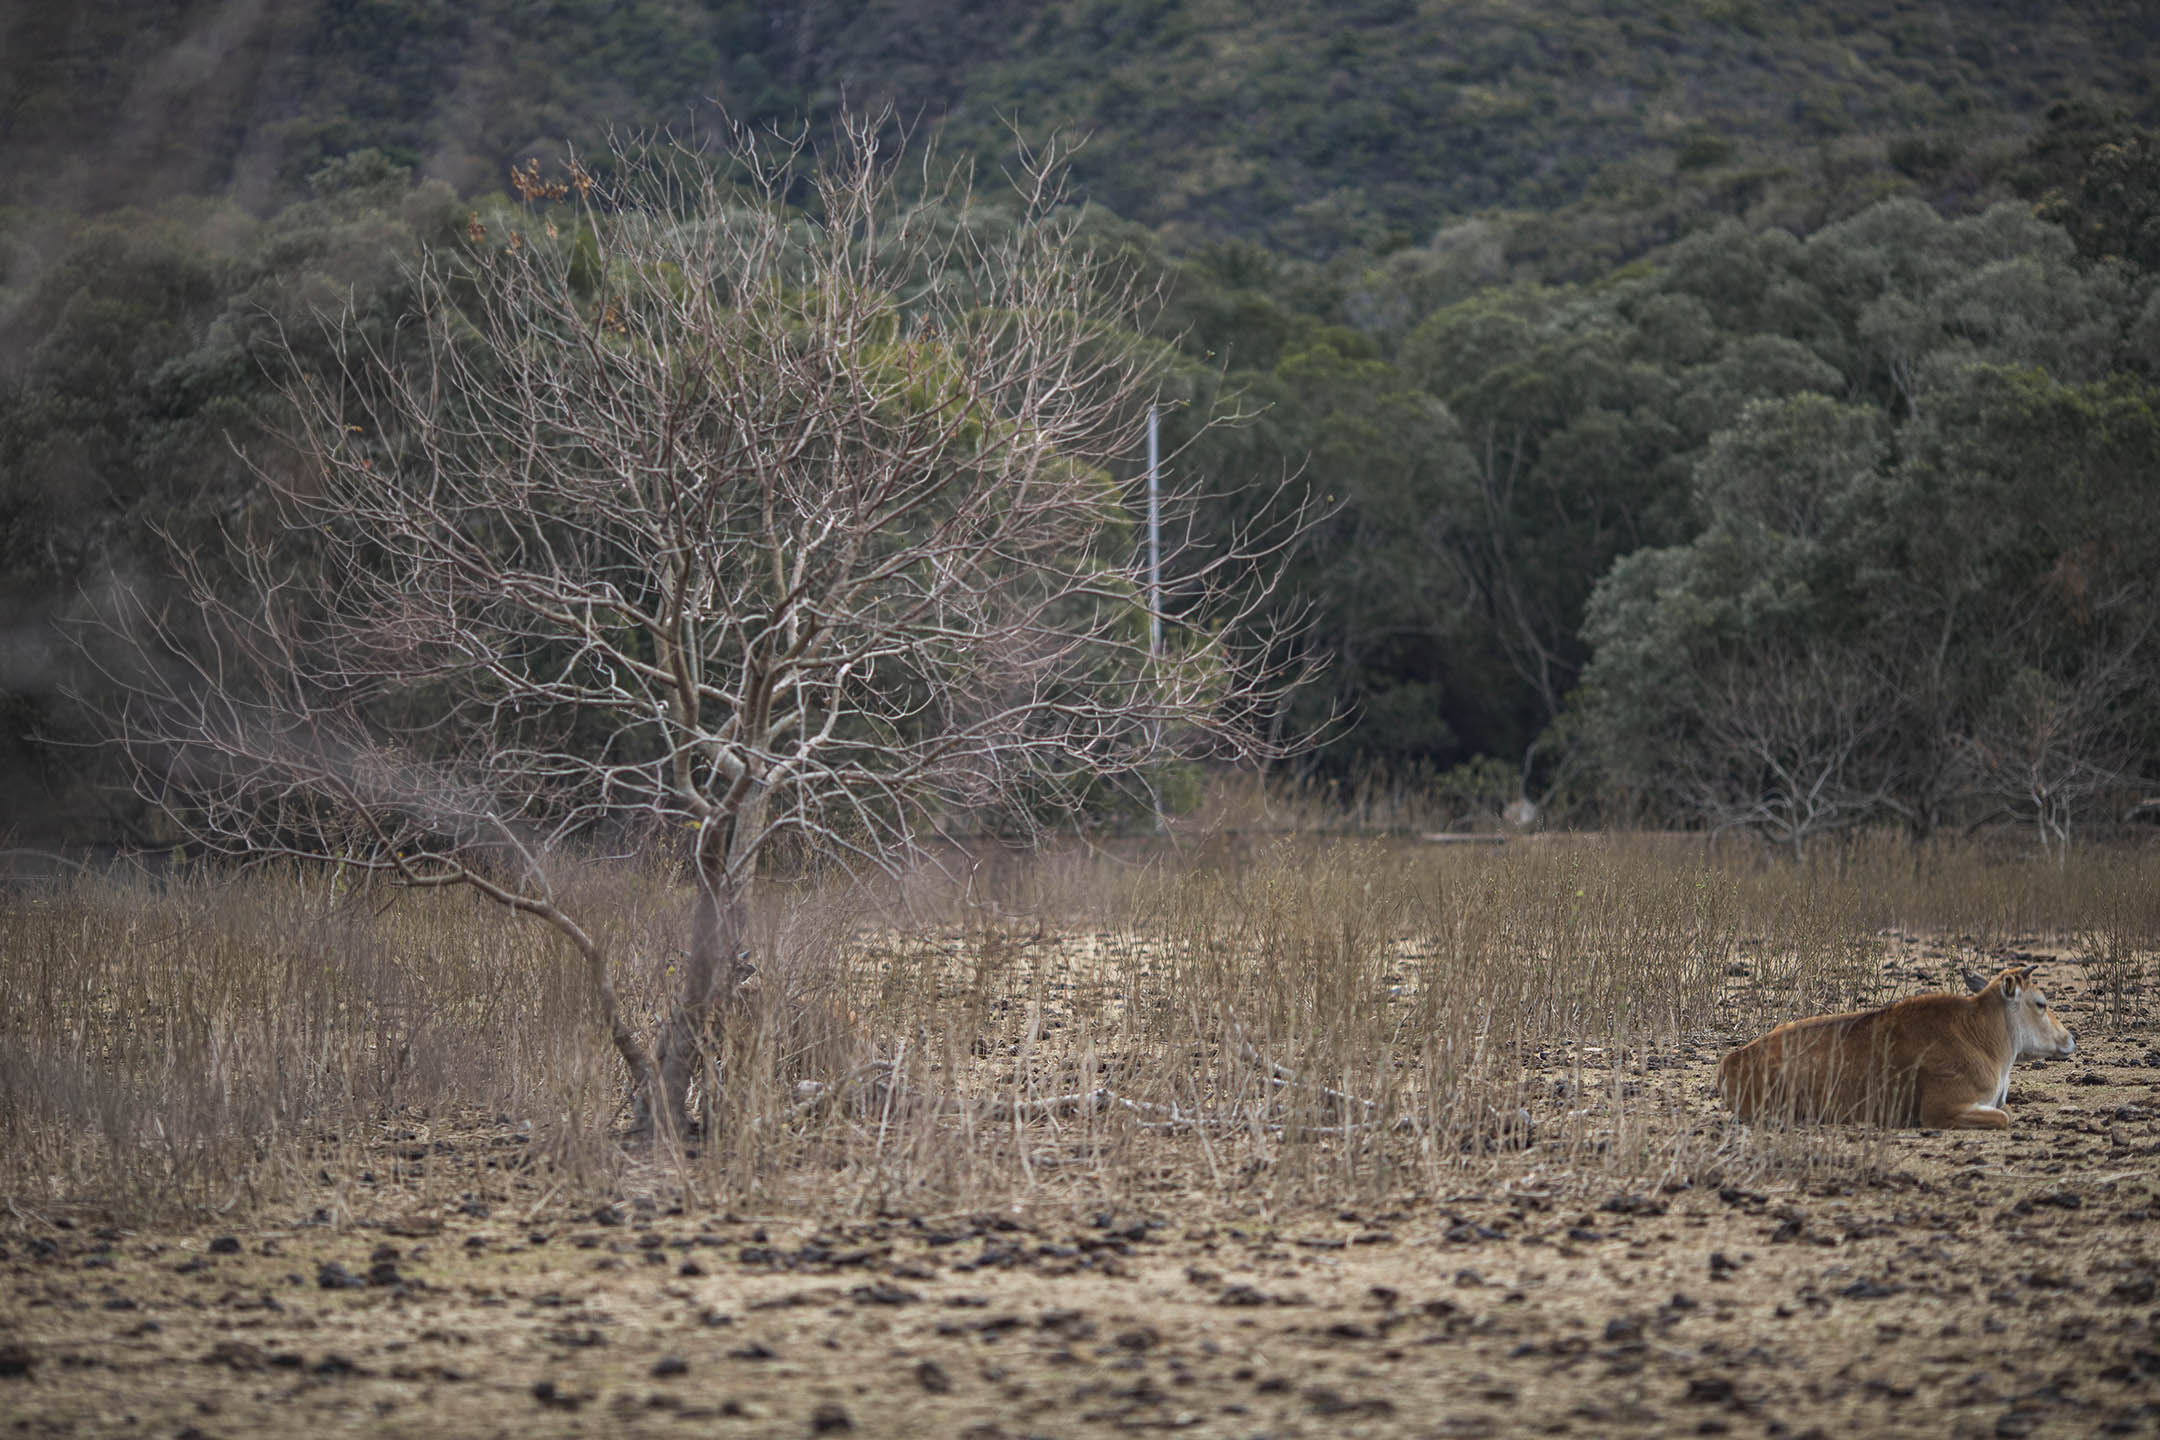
(1727, 417)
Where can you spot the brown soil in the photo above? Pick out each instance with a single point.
(1977, 1284)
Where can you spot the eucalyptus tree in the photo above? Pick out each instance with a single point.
(679, 508)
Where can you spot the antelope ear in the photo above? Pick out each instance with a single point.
(2012, 981)
(1975, 982)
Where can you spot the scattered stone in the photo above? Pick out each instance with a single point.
(830, 1418)
(545, 1392)
(1633, 1205)
(668, 1366)
(1325, 1401)
(1071, 1324)
(16, 1361)
(1710, 1390)
(1868, 1288)
(933, 1377)
(881, 1294)
(225, 1245)
(236, 1355)
(334, 1276)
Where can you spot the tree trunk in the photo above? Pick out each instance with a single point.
(718, 964)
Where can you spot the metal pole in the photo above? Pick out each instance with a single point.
(1154, 538)
(1154, 545)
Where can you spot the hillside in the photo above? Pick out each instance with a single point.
(1304, 125)
(1552, 302)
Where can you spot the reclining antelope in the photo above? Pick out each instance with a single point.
(1935, 1061)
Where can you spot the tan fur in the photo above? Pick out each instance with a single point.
(1937, 1061)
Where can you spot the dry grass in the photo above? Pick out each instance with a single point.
(1295, 1021)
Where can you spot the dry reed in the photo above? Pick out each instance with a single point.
(1276, 1021)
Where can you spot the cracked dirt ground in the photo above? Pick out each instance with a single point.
(1983, 1285)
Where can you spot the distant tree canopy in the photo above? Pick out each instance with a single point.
(1574, 416)
(1313, 127)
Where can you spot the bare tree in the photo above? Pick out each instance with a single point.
(2054, 748)
(681, 508)
(1790, 746)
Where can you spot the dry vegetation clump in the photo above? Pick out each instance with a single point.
(1291, 1021)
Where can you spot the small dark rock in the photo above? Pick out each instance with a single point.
(670, 1365)
(1072, 1324)
(545, 1392)
(16, 1361)
(235, 1355)
(882, 1295)
(1710, 1390)
(830, 1418)
(1867, 1288)
(932, 1377)
(334, 1276)
(225, 1245)
(1633, 1205)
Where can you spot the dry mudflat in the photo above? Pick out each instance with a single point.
(1955, 1285)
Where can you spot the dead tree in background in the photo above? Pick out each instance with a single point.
(682, 506)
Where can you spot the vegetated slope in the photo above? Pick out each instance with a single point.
(1309, 125)
(1315, 125)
